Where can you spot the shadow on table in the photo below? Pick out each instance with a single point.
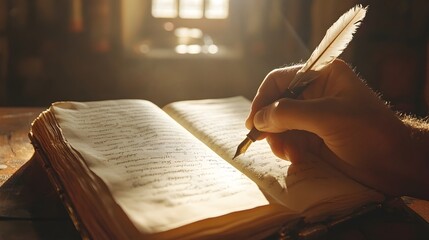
(31, 209)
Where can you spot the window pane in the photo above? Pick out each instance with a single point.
(191, 9)
(164, 8)
(217, 9)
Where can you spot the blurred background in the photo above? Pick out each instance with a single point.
(169, 50)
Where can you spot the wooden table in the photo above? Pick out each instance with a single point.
(31, 209)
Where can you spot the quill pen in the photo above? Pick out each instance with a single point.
(336, 39)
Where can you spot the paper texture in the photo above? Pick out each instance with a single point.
(301, 187)
(156, 171)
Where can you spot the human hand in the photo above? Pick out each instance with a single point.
(341, 120)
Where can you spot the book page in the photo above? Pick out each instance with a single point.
(220, 124)
(160, 174)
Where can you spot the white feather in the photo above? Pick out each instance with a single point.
(336, 39)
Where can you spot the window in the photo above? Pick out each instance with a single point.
(190, 9)
(216, 9)
(180, 28)
(164, 8)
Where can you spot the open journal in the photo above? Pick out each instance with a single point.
(131, 170)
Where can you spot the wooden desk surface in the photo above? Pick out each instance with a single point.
(30, 209)
(15, 147)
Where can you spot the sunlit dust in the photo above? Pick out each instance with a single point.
(168, 26)
(181, 49)
(188, 32)
(212, 49)
(188, 49)
(144, 48)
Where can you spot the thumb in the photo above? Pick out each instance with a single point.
(286, 114)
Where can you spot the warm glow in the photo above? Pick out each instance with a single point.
(212, 49)
(188, 32)
(217, 9)
(191, 8)
(144, 48)
(185, 37)
(190, 41)
(181, 49)
(188, 49)
(194, 49)
(168, 26)
(164, 8)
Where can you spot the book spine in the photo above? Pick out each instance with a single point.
(58, 186)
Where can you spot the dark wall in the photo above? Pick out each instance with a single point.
(51, 56)
(392, 52)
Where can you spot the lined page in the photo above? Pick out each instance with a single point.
(220, 124)
(156, 171)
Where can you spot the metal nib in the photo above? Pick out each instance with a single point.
(242, 148)
(245, 144)
(254, 133)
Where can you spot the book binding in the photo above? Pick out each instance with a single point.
(59, 188)
(296, 229)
